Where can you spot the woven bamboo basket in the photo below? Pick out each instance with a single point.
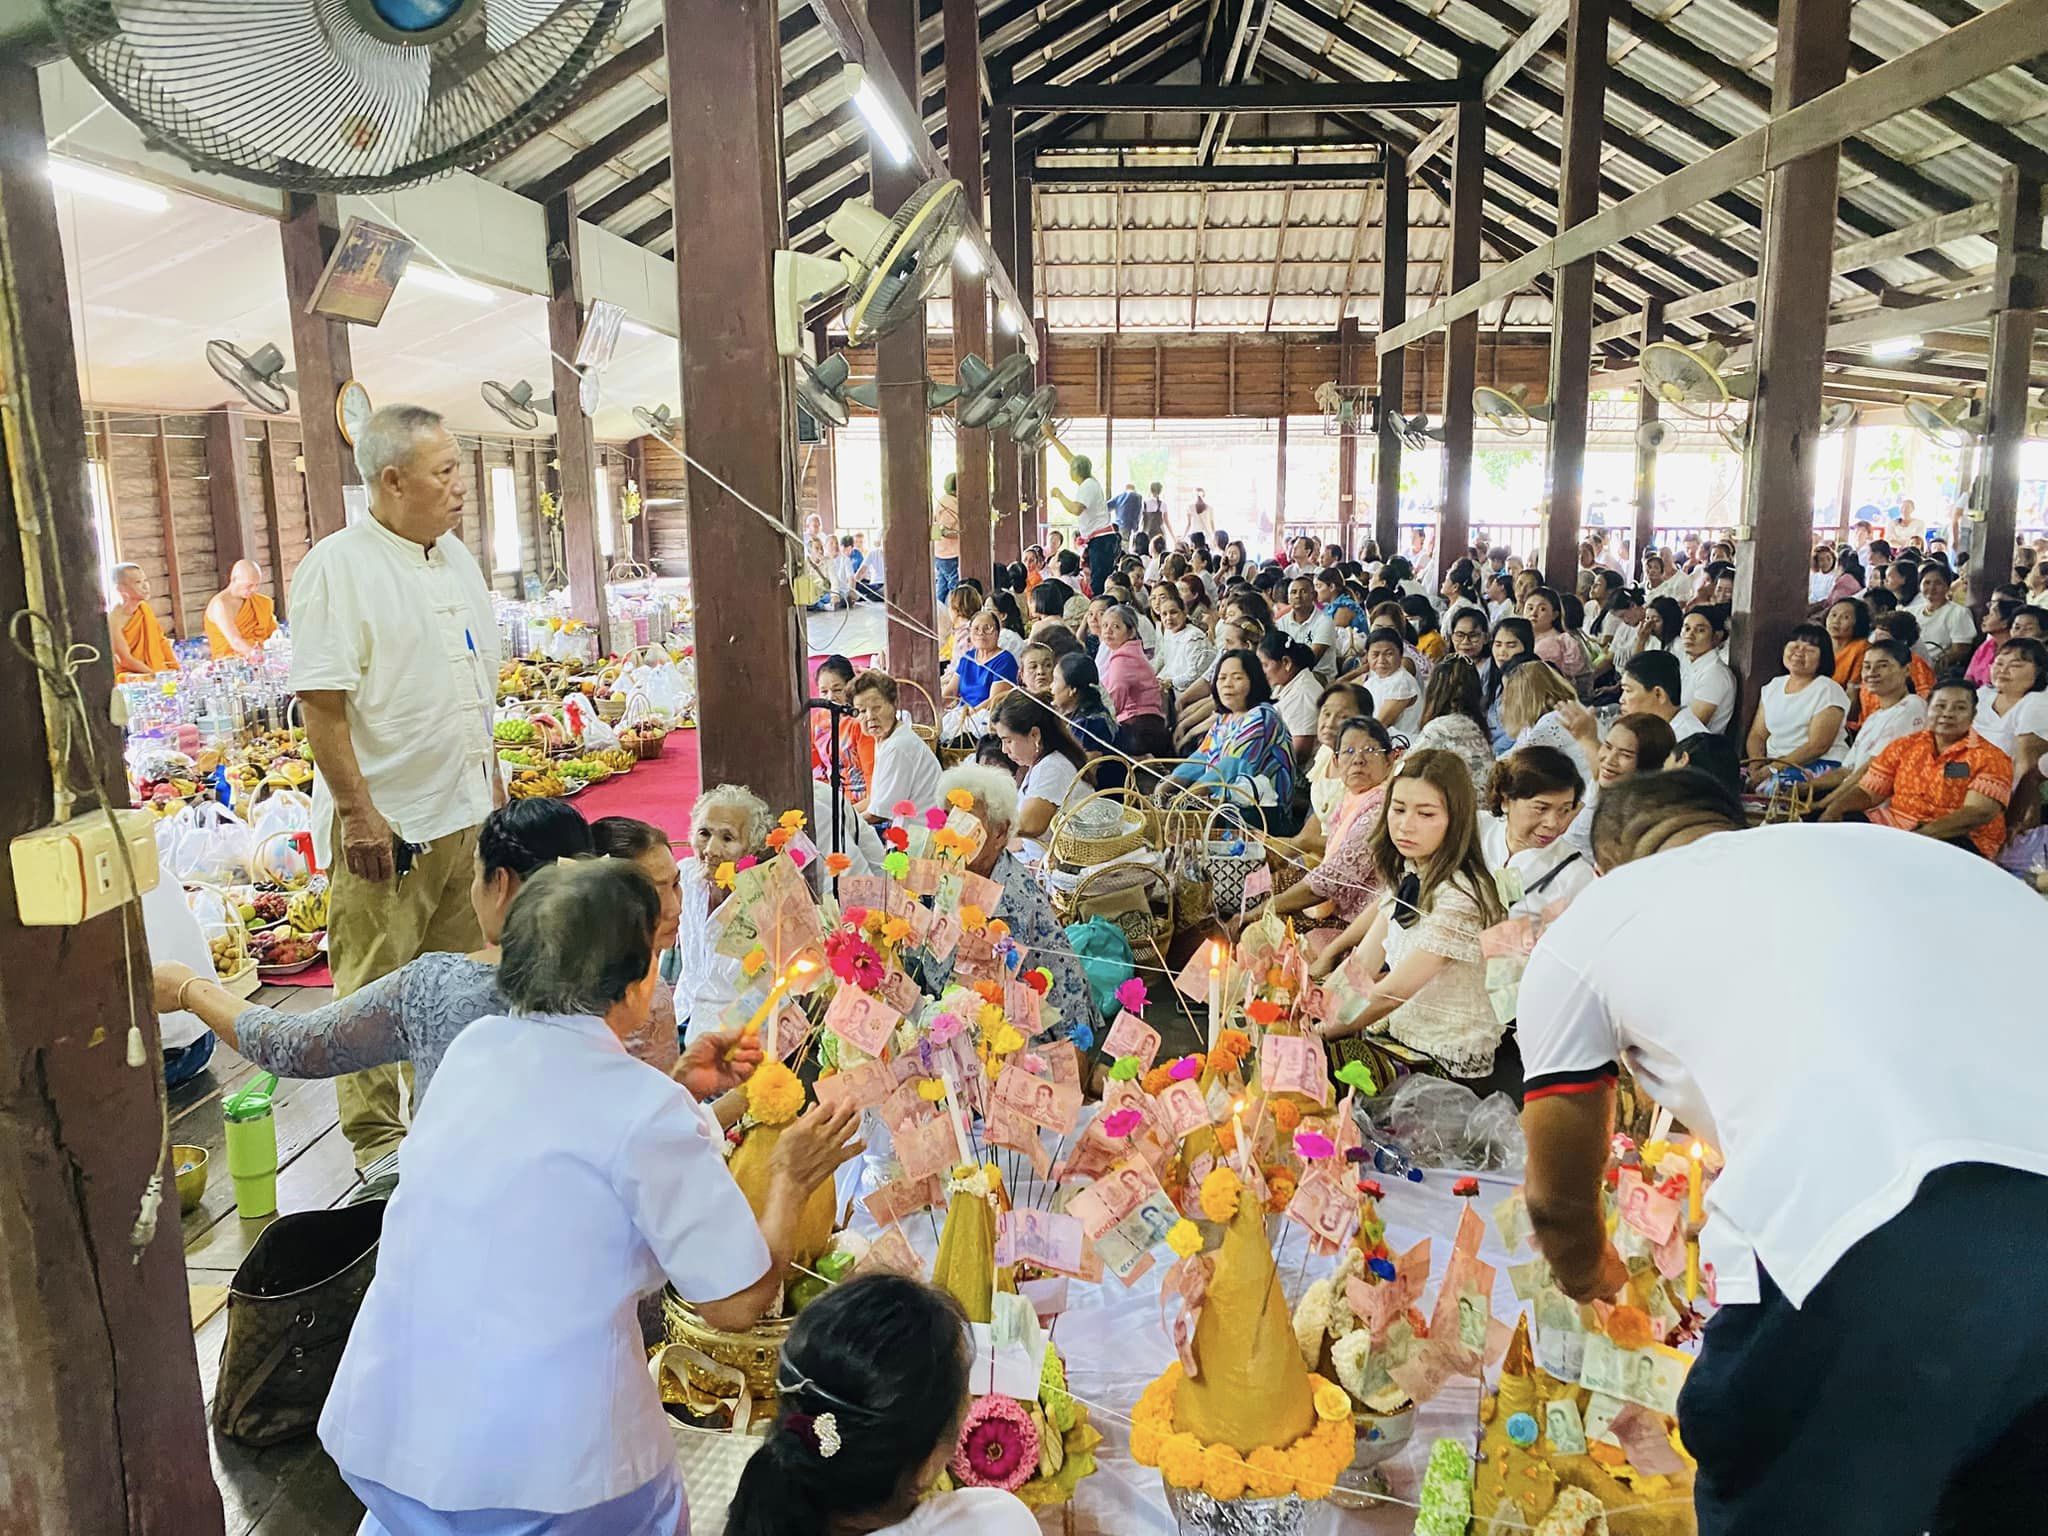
(924, 722)
(1785, 802)
(754, 1353)
(1081, 838)
(1150, 923)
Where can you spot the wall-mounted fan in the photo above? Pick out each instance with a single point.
(259, 377)
(1507, 411)
(337, 95)
(1691, 380)
(985, 391)
(1736, 434)
(517, 404)
(1955, 423)
(1653, 436)
(1414, 431)
(821, 388)
(1031, 426)
(1838, 417)
(937, 396)
(659, 421)
(890, 262)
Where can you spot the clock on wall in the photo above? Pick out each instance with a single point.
(352, 410)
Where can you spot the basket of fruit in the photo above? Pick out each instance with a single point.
(227, 936)
(536, 784)
(283, 861)
(284, 951)
(265, 909)
(514, 729)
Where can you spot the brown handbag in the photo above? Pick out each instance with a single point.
(290, 1308)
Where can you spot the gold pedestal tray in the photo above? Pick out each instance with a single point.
(754, 1353)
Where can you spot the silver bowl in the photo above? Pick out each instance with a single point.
(1196, 1514)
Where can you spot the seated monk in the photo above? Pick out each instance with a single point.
(240, 619)
(140, 648)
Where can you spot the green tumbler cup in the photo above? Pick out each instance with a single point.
(252, 1147)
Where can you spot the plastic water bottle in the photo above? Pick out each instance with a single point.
(252, 1147)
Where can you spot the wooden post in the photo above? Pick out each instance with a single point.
(640, 531)
(725, 126)
(320, 354)
(103, 1429)
(227, 492)
(1646, 458)
(1571, 323)
(1105, 389)
(906, 427)
(174, 574)
(1774, 545)
(1280, 462)
(1845, 482)
(1347, 444)
(575, 446)
(1007, 493)
(1031, 476)
(1461, 346)
(970, 292)
(2022, 285)
(273, 500)
(1386, 521)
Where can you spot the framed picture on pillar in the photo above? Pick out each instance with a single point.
(362, 274)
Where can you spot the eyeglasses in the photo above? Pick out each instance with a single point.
(1353, 754)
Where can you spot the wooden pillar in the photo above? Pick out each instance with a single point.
(827, 463)
(174, 571)
(227, 491)
(970, 291)
(320, 354)
(640, 532)
(1007, 491)
(103, 1429)
(1461, 346)
(1571, 305)
(725, 128)
(1348, 363)
(1031, 473)
(1280, 460)
(906, 428)
(1775, 541)
(273, 501)
(1386, 522)
(1845, 482)
(575, 445)
(1105, 389)
(2021, 283)
(1646, 458)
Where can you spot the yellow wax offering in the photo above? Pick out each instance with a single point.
(1252, 1388)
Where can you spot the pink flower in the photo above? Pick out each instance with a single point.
(1314, 1145)
(1184, 1069)
(945, 1027)
(902, 808)
(1131, 995)
(998, 1445)
(745, 863)
(798, 857)
(1035, 1065)
(935, 818)
(1120, 1123)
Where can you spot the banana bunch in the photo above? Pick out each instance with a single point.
(536, 785)
(308, 910)
(618, 759)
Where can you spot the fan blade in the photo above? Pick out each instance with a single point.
(508, 21)
(832, 372)
(867, 392)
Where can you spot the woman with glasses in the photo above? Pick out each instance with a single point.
(1347, 878)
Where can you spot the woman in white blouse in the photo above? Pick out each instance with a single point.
(1708, 684)
(1037, 740)
(1184, 656)
(2012, 714)
(1536, 793)
(729, 822)
(1396, 695)
(1798, 732)
(494, 1382)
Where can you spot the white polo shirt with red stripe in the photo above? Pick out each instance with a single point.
(1830, 1094)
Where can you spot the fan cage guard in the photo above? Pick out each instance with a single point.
(1352, 416)
(937, 216)
(477, 119)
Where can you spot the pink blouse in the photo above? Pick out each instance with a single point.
(1347, 877)
(1128, 681)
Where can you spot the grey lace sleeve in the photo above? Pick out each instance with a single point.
(365, 1029)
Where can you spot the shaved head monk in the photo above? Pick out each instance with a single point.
(140, 648)
(240, 618)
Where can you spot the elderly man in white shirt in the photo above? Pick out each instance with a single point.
(1863, 1199)
(395, 661)
(1095, 525)
(494, 1382)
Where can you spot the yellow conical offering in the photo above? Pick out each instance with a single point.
(751, 1166)
(966, 1265)
(1252, 1389)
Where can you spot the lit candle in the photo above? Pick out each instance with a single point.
(959, 1120)
(753, 1025)
(1695, 1185)
(1215, 991)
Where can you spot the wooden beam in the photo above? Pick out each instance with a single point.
(1775, 541)
(1354, 96)
(273, 500)
(726, 130)
(104, 1429)
(2020, 287)
(970, 290)
(1007, 496)
(642, 53)
(1279, 261)
(634, 131)
(1571, 314)
(1997, 38)
(320, 354)
(1542, 26)
(906, 428)
(227, 490)
(1393, 366)
(1652, 329)
(575, 444)
(1195, 265)
(1055, 173)
(173, 574)
(1461, 349)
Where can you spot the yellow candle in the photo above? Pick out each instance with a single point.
(1695, 1185)
(1692, 1269)
(753, 1025)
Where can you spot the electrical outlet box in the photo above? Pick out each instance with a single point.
(73, 871)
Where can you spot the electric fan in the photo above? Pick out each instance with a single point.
(657, 421)
(985, 392)
(337, 95)
(868, 393)
(1839, 417)
(1031, 427)
(821, 388)
(517, 404)
(890, 262)
(259, 377)
(1652, 435)
(1414, 431)
(1955, 424)
(1690, 380)
(1507, 411)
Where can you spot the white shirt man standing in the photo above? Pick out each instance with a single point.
(395, 660)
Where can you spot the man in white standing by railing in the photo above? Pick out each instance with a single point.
(395, 660)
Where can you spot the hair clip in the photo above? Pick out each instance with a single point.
(819, 1432)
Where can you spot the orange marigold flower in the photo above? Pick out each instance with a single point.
(1223, 1472)
(1180, 1461)
(1286, 1115)
(1263, 1013)
(1156, 1080)
(1269, 1476)
(838, 863)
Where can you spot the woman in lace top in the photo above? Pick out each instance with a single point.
(1454, 720)
(1436, 899)
(1347, 879)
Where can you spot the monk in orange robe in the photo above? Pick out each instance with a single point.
(140, 648)
(240, 618)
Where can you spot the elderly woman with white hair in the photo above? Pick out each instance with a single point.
(728, 823)
(1023, 906)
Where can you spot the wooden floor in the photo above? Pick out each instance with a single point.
(291, 1489)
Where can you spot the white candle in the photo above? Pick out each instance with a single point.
(1244, 1152)
(959, 1120)
(1215, 991)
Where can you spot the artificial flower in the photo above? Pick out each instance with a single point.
(896, 862)
(855, 916)
(724, 876)
(1332, 1401)
(946, 840)
(837, 863)
(934, 818)
(1186, 1068)
(896, 929)
(1038, 979)
(1005, 1040)
(945, 1027)
(931, 1089)
(1230, 1050)
(1466, 1186)
(1383, 1268)
(745, 861)
(1120, 1123)
(1286, 1114)
(775, 1095)
(794, 820)
(1184, 1238)
(1630, 1328)
(1130, 995)
(1035, 1064)
(1220, 1191)
(1280, 1187)
(753, 960)
(778, 837)
(1263, 1013)
(902, 808)
(1355, 1074)
(1123, 1069)
(998, 1445)
(997, 928)
(1313, 1146)
(960, 799)
(898, 839)
(972, 918)
(1157, 1078)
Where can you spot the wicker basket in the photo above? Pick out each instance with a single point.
(754, 1353)
(1148, 923)
(1103, 826)
(1785, 802)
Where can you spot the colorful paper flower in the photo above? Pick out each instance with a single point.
(1034, 1064)
(945, 1027)
(778, 837)
(837, 863)
(1371, 1187)
(1280, 1187)
(972, 918)
(960, 799)
(1383, 1268)
(1220, 1191)
(1185, 1068)
(934, 818)
(745, 861)
(998, 929)
(1119, 1123)
(1184, 1238)
(855, 916)
(1130, 995)
(1124, 1069)
(896, 863)
(1157, 1078)
(1332, 1401)
(724, 875)
(1264, 1014)
(1466, 1186)
(902, 808)
(931, 1089)
(1313, 1146)
(1286, 1115)
(775, 1095)
(1038, 979)
(896, 929)
(753, 960)
(898, 839)
(998, 1445)
(1004, 1039)
(1232, 1046)
(1355, 1074)
(1630, 1328)
(794, 820)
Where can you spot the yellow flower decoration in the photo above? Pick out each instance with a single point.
(775, 1095)
(725, 874)
(1223, 1472)
(972, 918)
(1269, 1475)
(1220, 1191)
(960, 800)
(1185, 1239)
(1180, 1461)
(794, 820)
(1005, 1041)
(1146, 1440)
(988, 1018)
(753, 960)
(932, 1089)
(1332, 1401)
(896, 930)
